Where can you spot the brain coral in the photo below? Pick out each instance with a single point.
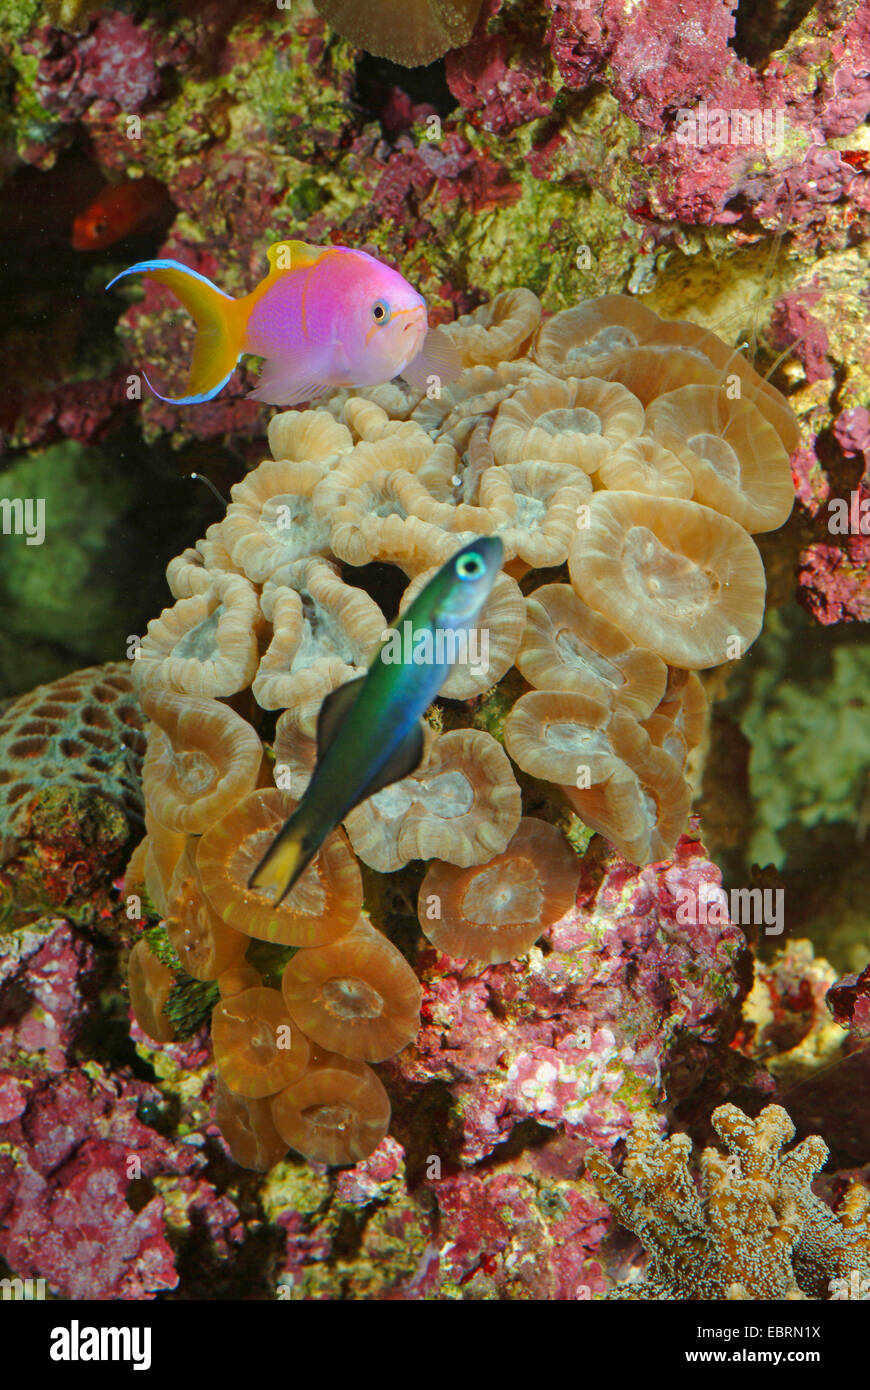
(755, 1230)
(611, 598)
(70, 763)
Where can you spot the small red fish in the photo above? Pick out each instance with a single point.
(120, 209)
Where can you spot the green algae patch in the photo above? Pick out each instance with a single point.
(190, 1004)
(582, 244)
(804, 708)
(296, 1187)
(302, 108)
(159, 945)
(57, 590)
(270, 960)
(493, 708)
(60, 844)
(577, 833)
(635, 1093)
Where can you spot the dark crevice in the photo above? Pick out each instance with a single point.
(763, 28)
(377, 82)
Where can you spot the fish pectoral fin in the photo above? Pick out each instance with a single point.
(333, 711)
(341, 364)
(287, 381)
(438, 357)
(402, 762)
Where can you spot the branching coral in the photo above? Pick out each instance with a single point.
(611, 446)
(755, 1229)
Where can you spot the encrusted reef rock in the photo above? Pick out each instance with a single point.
(95, 1197)
(578, 1035)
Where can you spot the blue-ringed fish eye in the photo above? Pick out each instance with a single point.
(381, 311)
(470, 567)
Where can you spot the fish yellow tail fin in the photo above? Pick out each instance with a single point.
(285, 860)
(220, 324)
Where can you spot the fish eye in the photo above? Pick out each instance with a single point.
(470, 567)
(98, 227)
(380, 311)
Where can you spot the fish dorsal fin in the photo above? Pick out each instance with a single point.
(294, 255)
(401, 763)
(333, 710)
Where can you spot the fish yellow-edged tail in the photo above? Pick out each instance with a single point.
(287, 857)
(220, 326)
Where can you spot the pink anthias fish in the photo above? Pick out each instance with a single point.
(324, 316)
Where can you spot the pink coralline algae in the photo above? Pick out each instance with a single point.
(852, 432)
(821, 198)
(505, 1236)
(454, 170)
(501, 79)
(114, 63)
(664, 61)
(69, 1159)
(81, 410)
(573, 1038)
(48, 976)
(811, 484)
(75, 1158)
(849, 1001)
(516, 1233)
(359, 1185)
(658, 55)
(833, 587)
(793, 322)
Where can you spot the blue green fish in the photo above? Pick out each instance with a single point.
(368, 730)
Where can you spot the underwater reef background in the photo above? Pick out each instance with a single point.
(545, 152)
